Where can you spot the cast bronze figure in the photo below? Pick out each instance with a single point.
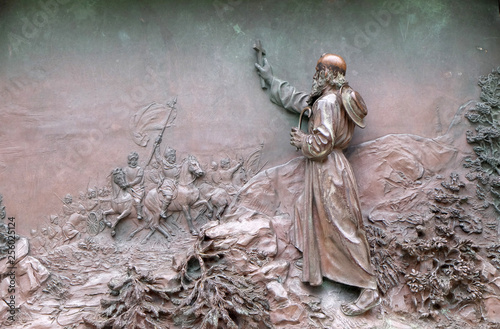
(328, 227)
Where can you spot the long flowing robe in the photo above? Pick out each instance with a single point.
(328, 226)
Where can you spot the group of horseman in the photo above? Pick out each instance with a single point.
(164, 177)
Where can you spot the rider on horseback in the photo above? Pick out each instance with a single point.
(134, 175)
(168, 177)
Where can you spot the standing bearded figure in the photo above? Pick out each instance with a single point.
(134, 175)
(327, 226)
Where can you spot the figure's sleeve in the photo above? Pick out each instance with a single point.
(155, 176)
(286, 96)
(158, 155)
(321, 139)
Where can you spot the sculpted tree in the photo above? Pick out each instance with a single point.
(484, 168)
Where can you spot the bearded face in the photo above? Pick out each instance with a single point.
(318, 86)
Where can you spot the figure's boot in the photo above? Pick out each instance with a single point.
(164, 207)
(105, 219)
(138, 208)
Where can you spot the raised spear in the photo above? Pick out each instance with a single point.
(158, 140)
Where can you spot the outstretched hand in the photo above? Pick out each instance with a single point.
(265, 71)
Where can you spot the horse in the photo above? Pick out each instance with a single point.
(217, 197)
(186, 196)
(122, 202)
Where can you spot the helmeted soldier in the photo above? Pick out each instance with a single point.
(167, 177)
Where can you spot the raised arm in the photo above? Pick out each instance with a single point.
(281, 92)
(157, 152)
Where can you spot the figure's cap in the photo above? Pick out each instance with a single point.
(170, 151)
(332, 62)
(133, 155)
(354, 105)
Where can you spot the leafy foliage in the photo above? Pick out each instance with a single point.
(442, 271)
(207, 292)
(445, 276)
(440, 268)
(135, 305)
(214, 295)
(387, 270)
(485, 167)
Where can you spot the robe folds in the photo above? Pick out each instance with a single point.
(327, 226)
